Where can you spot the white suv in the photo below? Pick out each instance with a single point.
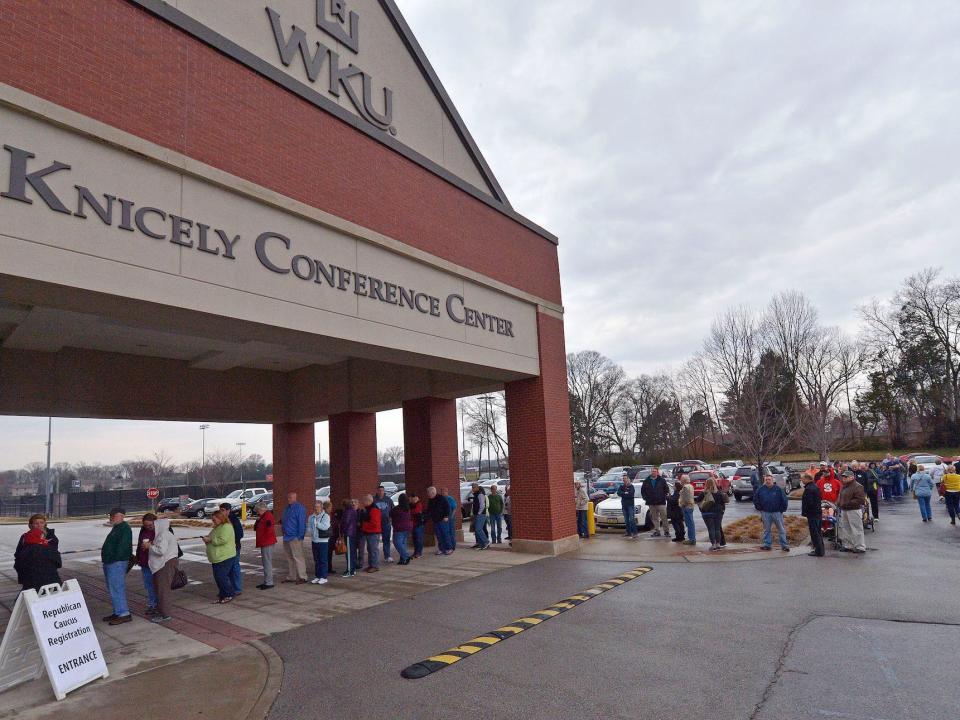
(235, 499)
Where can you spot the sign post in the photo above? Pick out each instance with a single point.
(51, 630)
(152, 495)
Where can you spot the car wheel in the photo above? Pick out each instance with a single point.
(201, 514)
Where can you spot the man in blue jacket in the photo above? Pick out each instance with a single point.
(294, 524)
(771, 501)
(627, 492)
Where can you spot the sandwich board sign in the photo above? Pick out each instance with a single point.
(51, 630)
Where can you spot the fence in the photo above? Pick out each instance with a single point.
(81, 504)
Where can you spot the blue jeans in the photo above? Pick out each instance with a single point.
(386, 531)
(351, 555)
(496, 528)
(400, 543)
(235, 577)
(479, 530)
(373, 549)
(148, 587)
(630, 518)
(508, 518)
(689, 522)
(451, 534)
(440, 533)
(418, 540)
(221, 575)
(770, 519)
(582, 523)
(887, 491)
(115, 574)
(320, 558)
(925, 511)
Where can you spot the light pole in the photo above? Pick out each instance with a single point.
(49, 505)
(463, 441)
(243, 488)
(203, 453)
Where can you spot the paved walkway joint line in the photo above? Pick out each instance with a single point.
(481, 642)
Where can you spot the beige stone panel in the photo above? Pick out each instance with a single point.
(387, 266)
(456, 159)
(236, 215)
(522, 315)
(101, 170)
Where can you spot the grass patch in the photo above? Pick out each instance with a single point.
(750, 530)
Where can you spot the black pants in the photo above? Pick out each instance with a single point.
(874, 505)
(816, 534)
(679, 532)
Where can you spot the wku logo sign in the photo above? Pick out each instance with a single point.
(344, 27)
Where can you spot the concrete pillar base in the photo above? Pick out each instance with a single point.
(571, 543)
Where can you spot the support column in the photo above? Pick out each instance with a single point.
(541, 457)
(430, 451)
(294, 465)
(353, 456)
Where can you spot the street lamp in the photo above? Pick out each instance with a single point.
(203, 453)
(47, 483)
(243, 487)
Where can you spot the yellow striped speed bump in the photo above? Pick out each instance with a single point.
(471, 647)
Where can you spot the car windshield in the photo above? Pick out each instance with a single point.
(235, 493)
(699, 475)
(744, 471)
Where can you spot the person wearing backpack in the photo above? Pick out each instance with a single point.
(318, 526)
(711, 509)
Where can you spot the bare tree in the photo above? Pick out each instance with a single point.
(594, 381)
(163, 465)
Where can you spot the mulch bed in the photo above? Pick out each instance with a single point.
(750, 529)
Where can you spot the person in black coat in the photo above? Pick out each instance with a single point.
(36, 561)
(675, 514)
(812, 510)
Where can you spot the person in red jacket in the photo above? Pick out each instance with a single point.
(829, 485)
(371, 529)
(266, 538)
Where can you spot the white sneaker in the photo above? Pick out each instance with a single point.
(321, 581)
(389, 559)
(315, 581)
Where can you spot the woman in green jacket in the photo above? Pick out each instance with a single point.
(221, 548)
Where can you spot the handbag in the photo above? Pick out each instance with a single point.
(178, 580)
(341, 547)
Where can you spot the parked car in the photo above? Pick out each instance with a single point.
(740, 484)
(235, 499)
(606, 485)
(639, 473)
(925, 460)
(609, 513)
(782, 477)
(172, 504)
(389, 487)
(728, 471)
(731, 463)
(687, 467)
(252, 503)
(488, 476)
(699, 479)
(666, 469)
(195, 508)
(619, 470)
(322, 494)
(466, 504)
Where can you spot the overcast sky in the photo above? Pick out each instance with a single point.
(689, 156)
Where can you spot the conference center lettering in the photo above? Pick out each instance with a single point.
(273, 250)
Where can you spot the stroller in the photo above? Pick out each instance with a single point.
(830, 515)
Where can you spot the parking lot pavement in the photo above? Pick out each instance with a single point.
(719, 640)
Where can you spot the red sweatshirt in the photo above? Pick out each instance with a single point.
(371, 521)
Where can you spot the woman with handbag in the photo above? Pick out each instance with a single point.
(711, 509)
(220, 552)
(162, 558)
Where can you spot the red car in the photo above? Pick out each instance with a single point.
(699, 478)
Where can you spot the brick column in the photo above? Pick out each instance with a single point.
(294, 465)
(430, 450)
(541, 457)
(353, 456)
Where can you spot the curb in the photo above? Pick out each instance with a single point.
(272, 683)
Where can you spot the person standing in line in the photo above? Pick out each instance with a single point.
(372, 528)
(236, 577)
(771, 501)
(867, 482)
(360, 541)
(582, 500)
(711, 509)
(675, 513)
(873, 482)
(479, 502)
(294, 524)
(439, 512)
(951, 493)
(887, 477)
(829, 485)
(402, 521)
(507, 513)
(851, 502)
(419, 517)
(318, 525)
(454, 505)
(39, 520)
(36, 559)
(921, 483)
(688, 502)
(627, 493)
(163, 552)
(115, 556)
(654, 492)
(937, 472)
(812, 510)
(385, 505)
(349, 528)
(495, 508)
(335, 517)
(266, 535)
(144, 537)
(221, 549)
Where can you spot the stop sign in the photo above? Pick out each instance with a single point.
(153, 493)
